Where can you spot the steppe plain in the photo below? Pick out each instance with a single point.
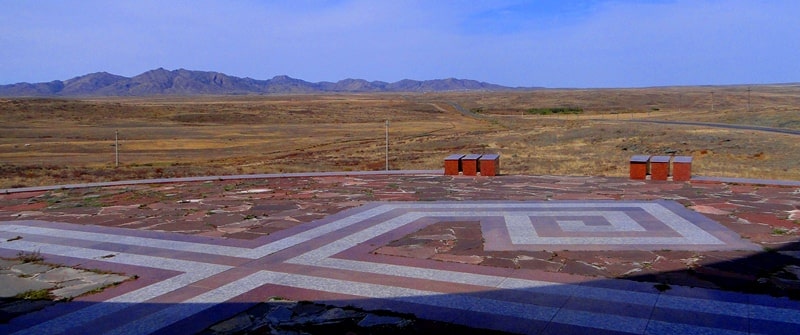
(58, 141)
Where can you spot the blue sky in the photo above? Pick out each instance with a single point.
(580, 44)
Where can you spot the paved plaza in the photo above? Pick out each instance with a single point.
(187, 282)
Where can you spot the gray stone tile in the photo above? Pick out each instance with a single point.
(13, 285)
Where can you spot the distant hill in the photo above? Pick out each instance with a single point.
(188, 82)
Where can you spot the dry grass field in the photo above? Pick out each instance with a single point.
(63, 141)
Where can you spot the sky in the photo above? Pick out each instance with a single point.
(557, 44)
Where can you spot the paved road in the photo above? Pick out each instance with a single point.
(686, 123)
(721, 125)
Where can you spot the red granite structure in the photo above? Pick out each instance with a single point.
(452, 164)
(639, 166)
(469, 164)
(682, 168)
(489, 164)
(659, 167)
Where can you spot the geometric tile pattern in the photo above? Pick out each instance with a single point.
(187, 283)
(608, 225)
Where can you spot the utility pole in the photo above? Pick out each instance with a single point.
(116, 148)
(387, 145)
(712, 101)
(748, 99)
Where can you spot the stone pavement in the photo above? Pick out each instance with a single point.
(513, 253)
(28, 285)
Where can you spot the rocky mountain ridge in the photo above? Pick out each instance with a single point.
(188, 82)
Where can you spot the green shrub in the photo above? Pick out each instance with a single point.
(555, 110)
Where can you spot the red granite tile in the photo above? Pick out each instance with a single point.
(768, 219)
(584, 269)
(465, 259)
(414, 251)
(554, 277)
(179, 295)
(26, 207)
(743, 188)
(708, 209)
(21, 195)
(298, 294)
(224, 278)
(446, 266)
(581, 196)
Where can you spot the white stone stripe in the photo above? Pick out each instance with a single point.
(523, 226)
(483, 305)
(644, 299)
(774, 314)
(662, 327)
(192, 272)
(605, 240)
(494, 282)
(488, 281)
(310, 234)
(601, 321)
(253, 253)
(349, 241)
(741, 310)
(522, 231)
(120, 258)
(430, 298)
(179, 311)
(520, 228)
(508, 204)
(127, 240)
(354, 239)
(518, 219)
(203, 248)
(495, 209)
(89, 314)
(691, 234)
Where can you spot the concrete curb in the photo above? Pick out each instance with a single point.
(338, 174)
(750, 181)
(213, 178)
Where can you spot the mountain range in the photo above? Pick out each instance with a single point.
(188, 82)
